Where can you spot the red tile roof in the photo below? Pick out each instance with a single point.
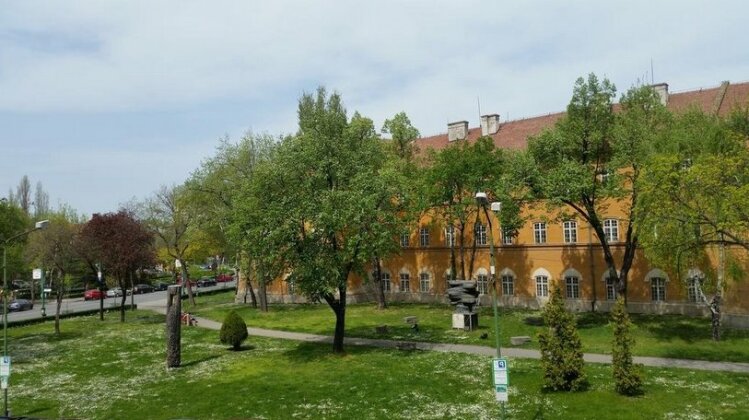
(514, 134)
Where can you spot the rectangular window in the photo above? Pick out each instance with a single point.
(424, 237)
(405, 282)
(573, 287)
(404, 239)
(424, 283)
(507, 236)
(611, 230)
(480, 233)
(386, 287)
(542, 286)
(539, 232)
(693, 289)
(657, 289)
(292, 287)
(570, 231)
(610, 289)
(508, 285)
(450, 236)
(482, 282)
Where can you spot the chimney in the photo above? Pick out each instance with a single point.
(489, 124)
(662, 90)
(457, 130)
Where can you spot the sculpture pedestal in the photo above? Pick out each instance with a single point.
(467, 322)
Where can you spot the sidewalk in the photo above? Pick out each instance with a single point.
(472, 349)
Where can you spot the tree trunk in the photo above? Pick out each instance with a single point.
(186, 282)
(715, 317)
(261, 277)
(473, 246)
(339, 308)
(379, 291)
(58, 299)
(462, 229)
(132, 292)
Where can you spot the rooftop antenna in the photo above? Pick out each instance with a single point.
(478, 103)
(652, 76)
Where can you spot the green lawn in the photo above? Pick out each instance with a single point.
(655, 335)
(109, 370)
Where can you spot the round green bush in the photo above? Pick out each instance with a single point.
(233, 330)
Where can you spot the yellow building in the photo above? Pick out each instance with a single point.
(546, 253)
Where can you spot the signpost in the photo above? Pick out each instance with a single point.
(4, 371)
(38, 274)
(501, 381)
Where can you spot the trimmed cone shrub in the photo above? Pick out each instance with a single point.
(561, 348)
(233, 330)
(627, 376)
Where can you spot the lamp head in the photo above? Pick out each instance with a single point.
(496, 206)
(42, 224)
(481, 198)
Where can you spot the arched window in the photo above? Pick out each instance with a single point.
(425, 282)
(482, 281)
(572, 280)
(610, 286)
(657, 279)
(508, 282)
(695, 277)
(405, 281)
(542, 278)
(387, 286)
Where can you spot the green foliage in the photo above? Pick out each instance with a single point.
(627, 375)
(233, 330)
(403, 135)
(561, 348)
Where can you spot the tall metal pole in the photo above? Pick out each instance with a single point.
(493, 277)
(5, 320)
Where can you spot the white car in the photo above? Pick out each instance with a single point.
(114, 292)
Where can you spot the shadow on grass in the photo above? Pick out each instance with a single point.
(199, 361)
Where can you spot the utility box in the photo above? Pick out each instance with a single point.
(467, 322)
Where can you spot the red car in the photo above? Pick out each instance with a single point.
(221, 278)
(93, 294)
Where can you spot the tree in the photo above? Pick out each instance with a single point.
(233, 330)
(591, 161)
(23, 194)
(627, 375)
(561, 348)
(121, 244)
(169, 218)
(696, 191)
(403, 135)
(54, 249)
(41, 201)
(332, 201)
(12, 222)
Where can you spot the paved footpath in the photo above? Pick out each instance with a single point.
(470, 349)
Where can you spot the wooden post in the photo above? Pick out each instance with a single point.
(173, 326)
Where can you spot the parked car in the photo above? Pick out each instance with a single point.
(160, 285)
(142, 288)
(207, 282)
(20, 305)
(93, 294)
(222, 278)
(192, 283)
(114, 292)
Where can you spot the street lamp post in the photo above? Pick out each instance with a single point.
(482, 201)
(39, 225)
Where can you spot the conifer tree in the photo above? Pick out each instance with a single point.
(627, 376)
(561, 348)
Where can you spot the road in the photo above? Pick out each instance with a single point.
(80, 305)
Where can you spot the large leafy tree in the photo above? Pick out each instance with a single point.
(54, 249)
(696, 192)
(592, 160)
(169, 218)
(121, 244)
(334, 203)
(12, 222)
(220, 190)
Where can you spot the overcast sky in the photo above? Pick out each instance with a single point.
(104, 101)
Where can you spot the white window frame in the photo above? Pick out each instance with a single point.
(572, 286)
(508, 285)
(450, 236)
(480, 234)
(405, 280)
(539, 232)
(405, 239)
(658, 289)
(610, 289)
(507, 237)
(611, 230)
(542, 285)
(482, 282)
(424, 237)
(570, 231)
(387, 286)
(425, 282)
(693, 284)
